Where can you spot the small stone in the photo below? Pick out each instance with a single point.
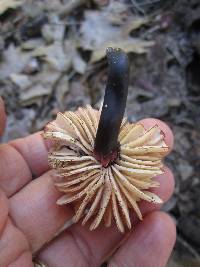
(174, 102)
(186, 170)
(32, 66)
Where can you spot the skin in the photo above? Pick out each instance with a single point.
(30, 216)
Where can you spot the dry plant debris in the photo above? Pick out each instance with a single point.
(9, 4)
(166, 76)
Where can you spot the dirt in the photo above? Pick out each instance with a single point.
(52, 58)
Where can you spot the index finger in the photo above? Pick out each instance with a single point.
(167, 132)
(149, 245)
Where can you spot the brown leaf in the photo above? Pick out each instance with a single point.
(6, 4)
(128, 45)
(33, 94)
(98, 33)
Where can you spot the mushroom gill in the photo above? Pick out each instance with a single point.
(105, 179)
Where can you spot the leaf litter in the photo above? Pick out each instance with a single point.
(52, 58)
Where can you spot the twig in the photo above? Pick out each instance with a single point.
(137, 6)
(149, 2)
(71, 5)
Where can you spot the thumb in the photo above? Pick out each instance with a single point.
(2, 117)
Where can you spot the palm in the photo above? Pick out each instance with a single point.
(30, 217)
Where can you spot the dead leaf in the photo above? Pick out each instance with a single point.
(21, 80)
(117, 13)
(78, 63)
(98, 33)
(69, 6)
(61, 90)
(55, 55)
(33, 94)
(42, 85)
(47, 77)
(7, 4)
(31, 44)
(19, 128)
(128, 45)
(13, 61)
(78, 96)
(96, 29)
(54, 30)
(134, 24)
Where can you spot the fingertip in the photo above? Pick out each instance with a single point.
(161, 227)
(164, 225)
(155, 235)
(164, 191)
(167, 184)
(162, 220)
(168, 134)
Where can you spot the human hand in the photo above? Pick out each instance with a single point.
(29, 216)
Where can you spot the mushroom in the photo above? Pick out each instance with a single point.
(107, 164)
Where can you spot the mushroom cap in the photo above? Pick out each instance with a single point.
(104, 194)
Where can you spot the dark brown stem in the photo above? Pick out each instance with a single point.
(106, 142)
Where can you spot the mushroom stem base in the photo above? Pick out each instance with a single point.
(108, 159)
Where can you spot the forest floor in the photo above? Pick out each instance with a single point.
(52, 58)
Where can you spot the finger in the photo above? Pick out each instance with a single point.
(34, 151)
(71, 249)
(13, 245)
(14, 172)
(24, 260)
(35, 212)
(3, 210)
(20, 160)
(79, 245)
(2, 117)
(149, 245)
(168, 135)
(164, 191)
